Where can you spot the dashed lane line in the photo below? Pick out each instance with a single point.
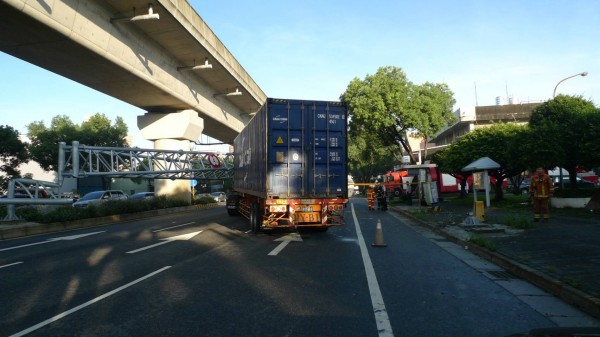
(12, 264)
(164, 229)
(88, 303)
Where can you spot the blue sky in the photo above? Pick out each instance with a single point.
(312, 49)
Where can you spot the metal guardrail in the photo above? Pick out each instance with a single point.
(80, 161)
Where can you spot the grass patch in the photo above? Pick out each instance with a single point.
(512, 201)
(482, 241)
(572, 282)
(517, 222)
(419, 214)
(395, 202)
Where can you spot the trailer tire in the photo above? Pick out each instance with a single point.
(232, 212)
(251, 218)
(255, 218)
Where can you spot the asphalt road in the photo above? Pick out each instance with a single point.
(201, 274)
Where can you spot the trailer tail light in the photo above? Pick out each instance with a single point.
(335, 207)
(278, 208)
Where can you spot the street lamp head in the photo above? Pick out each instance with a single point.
(566, 78)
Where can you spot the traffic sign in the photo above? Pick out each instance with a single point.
(214, 161)
(193, 182)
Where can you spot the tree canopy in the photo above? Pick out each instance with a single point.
(501, 142)
(13, 152)
(390, 106)
(367, 157)
(569, 126)
(95, 131)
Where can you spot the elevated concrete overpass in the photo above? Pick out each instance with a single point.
(138, 62)
(141, 52)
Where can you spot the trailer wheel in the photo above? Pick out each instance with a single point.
(255, 218)
(251, 217)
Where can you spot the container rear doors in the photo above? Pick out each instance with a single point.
(307, 143)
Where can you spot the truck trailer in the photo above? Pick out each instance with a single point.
(290, 166)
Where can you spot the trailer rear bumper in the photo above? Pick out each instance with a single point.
(304, 212)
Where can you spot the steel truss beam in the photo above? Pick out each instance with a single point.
(80, 161)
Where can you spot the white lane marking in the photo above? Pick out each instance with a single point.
(73, 237)
(182, 237)
(279, 248)
(81, 306)
(285, 241)
(384, 327)
(290, 237)
(62, 238)
(164, 229)
(8, 265)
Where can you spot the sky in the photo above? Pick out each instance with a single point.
(312, 49)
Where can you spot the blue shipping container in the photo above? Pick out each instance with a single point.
(293, 149)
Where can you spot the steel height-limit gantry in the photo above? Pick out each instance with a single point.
(80, 161)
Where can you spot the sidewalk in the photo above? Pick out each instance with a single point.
(565, 250)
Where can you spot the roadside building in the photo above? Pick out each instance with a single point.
(471, 118)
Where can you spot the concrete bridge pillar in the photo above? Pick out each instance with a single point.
(172, 131)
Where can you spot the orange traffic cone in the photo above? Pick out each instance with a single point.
(378, 236)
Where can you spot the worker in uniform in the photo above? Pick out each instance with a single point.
(381, 198)
(371, 197)
(540, 190)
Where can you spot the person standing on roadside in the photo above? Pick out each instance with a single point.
(540, 190)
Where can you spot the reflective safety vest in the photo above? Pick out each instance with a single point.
(541, 186)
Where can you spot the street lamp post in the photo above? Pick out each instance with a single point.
(560, 173)
(566, 78)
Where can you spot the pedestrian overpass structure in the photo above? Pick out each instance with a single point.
(158, 55)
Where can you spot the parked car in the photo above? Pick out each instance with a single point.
(581, 183)
(219, 196)
(524, 186)
(142, 195)
(99, 197)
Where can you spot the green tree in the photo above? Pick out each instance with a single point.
(389, 105)
(13, 152)
(367, 157)
(96, 131)
(565, 123)
(500, 142)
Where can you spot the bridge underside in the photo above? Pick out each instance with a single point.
(153, 49)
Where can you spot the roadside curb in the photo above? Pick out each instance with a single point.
(575, 297)
(37, 228)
